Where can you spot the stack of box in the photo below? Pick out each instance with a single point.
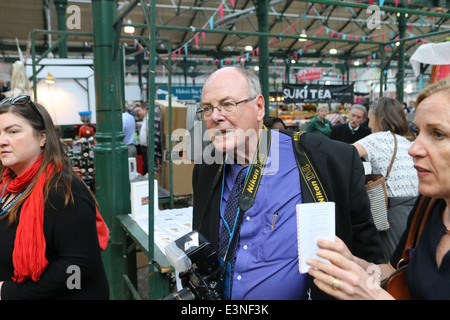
(182, 172)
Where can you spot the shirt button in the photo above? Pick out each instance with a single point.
(248, 218)
(239, 277)
(245, 247)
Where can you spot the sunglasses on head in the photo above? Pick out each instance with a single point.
(22, 100)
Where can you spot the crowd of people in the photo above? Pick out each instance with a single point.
(245, 205)
(134, 121)
(371, 132)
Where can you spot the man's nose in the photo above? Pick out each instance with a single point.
(216, 114)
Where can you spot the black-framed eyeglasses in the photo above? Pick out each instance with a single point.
(225, 107)
(23, 100)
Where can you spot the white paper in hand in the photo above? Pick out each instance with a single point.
(314, 221)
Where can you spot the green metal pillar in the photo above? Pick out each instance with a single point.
(112, 183)
(155, 280)
(382, 69)
(262, 12)
(60, 6)
(401, 58)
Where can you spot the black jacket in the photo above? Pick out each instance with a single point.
(342, 133)
(72, 250)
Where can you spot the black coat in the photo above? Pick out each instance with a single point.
(71, 243)
(342, 133)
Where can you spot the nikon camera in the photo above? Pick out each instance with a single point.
(198, 266)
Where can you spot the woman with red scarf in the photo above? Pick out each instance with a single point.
(51, 233)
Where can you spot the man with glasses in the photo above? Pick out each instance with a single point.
(258, 245)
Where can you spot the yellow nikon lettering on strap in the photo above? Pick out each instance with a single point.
(252, 181)
(308, 173)
(318, 191)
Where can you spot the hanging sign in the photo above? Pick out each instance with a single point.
(310, 74)
(314, 93)
(180, 93)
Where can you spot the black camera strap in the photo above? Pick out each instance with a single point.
(307, 170)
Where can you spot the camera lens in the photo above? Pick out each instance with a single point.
(183, 294)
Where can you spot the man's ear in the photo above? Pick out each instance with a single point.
(260, 102)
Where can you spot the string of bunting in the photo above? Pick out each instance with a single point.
(183, 51)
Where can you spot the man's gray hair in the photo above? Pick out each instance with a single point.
(252, 79)
(360, 107)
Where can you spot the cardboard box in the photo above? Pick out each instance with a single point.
(182, 178)
(177, 139)
(179, 112)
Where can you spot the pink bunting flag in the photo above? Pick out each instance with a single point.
(221, 10)
(196, 40)
(232, 3)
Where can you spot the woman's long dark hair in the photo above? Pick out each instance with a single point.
(390, 116)
(54, 152)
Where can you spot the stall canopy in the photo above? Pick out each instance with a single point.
(431, 53)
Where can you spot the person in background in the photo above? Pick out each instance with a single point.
(335, 117)
(86, 130)
(129, 129)
(319, 123)
(142, 113)
(264, 263)
(386, 118)
(353, 130)
(274, 123)
(428, 271)
(49, 223)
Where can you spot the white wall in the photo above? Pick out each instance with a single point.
(65, 98)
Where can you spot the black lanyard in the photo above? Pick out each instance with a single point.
(307, 171)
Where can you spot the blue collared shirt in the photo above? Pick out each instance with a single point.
(267, 259)
(129, 128)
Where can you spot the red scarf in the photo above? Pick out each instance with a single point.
(29, 246)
